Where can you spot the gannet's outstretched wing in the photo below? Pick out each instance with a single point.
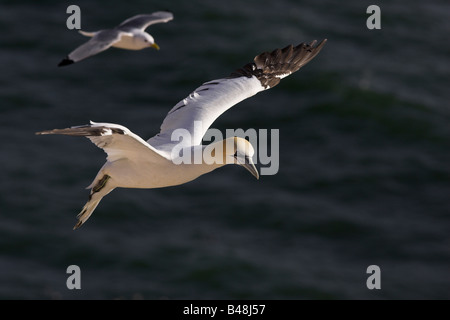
(202, 107)
(142, 21)
(117, 141)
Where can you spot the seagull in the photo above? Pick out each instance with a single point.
(135, 163)
(128, 35)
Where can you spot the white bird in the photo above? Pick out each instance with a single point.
(128, 35)
(135, 163)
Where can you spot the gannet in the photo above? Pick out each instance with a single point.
(135, 163)
(128, 35)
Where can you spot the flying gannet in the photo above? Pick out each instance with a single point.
(135, 163)
(128, 35)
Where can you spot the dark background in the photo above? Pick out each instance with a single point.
(364, 173)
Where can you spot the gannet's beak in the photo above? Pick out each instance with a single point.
(249, 165)
(154, 45)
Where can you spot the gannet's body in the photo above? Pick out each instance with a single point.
(135, 163)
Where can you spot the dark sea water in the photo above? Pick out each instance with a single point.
(364, 175)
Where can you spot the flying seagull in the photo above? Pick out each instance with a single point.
(135, 163)
(129, 35)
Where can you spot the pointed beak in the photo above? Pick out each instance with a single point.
(248, 164)
(154, 45)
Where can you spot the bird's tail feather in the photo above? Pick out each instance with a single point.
(86, 212)
(100, 188)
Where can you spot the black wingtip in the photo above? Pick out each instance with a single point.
(65, 62)
(271, 67)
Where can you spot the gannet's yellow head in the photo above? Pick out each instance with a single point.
(232, 150)
(240, 151)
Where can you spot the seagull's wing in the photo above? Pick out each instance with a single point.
(101, 41)
(142, 21)
(116, 140)
(202, 107)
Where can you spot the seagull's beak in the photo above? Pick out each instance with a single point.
(154, 45)
(249, 165)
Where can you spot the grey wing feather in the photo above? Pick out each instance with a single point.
(142, 21)
(100, 42)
